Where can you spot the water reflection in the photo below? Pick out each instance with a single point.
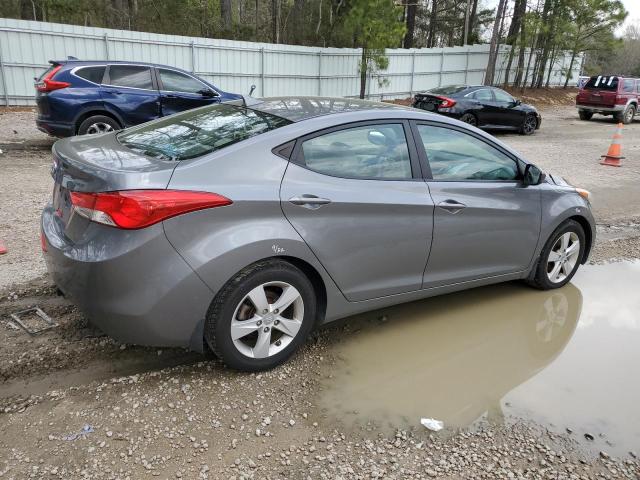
(452, 357)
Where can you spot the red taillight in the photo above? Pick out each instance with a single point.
(49, 85)
(446, 102)
(132, 209)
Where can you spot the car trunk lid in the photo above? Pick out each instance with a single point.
(99, 163)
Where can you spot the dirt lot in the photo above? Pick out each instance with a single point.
(77, 404)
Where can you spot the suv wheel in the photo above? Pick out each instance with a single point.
(98, 124)
(585, 115)
(628, 115)
(560, 257)
(261, 316)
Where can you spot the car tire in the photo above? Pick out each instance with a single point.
(529, 124)
(628, 114)
(469, 118)
(585, 115)
(260, 344)
(549, 273)
(98, 124)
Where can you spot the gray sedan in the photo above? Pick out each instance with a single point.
(242, 227)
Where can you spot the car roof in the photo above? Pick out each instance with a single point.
(76, 62)
(298, 108)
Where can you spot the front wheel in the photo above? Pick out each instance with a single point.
(261, 316)
(560, 257)
(529, 125)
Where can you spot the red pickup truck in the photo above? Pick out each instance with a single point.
(609, 95)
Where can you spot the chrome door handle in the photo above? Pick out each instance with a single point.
(451, 206)
(309, 201)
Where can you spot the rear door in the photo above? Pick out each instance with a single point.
(485, 100)
(485, 222)
(131, 91)
(355, 195)
(179, 92)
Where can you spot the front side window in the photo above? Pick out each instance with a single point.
(373, 151)
(457, 156)
(198, 132)
(502, 96)
(131, 76)
(179, 82)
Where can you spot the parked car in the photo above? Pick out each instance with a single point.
(76, 97)
(241, 228)
(609, 95)
(483, 107)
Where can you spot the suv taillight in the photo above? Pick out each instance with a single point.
(46, 84)
(133, 209)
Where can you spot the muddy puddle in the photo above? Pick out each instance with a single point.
(567, 359)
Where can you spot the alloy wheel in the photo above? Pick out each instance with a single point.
(530, 124)
(630, 113)
(563, 257)
(267, 319)
(99, 128)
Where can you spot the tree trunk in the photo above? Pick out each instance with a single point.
(521, 53)
(516, 26)
(573, 59)
(545, 43)
(433, 17)
(411, 24)
(493, 49)
(363, 72)
(275, 21)
(225, 15)
(472, 21)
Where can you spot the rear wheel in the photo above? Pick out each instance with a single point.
(261, 316)
(628, 114)
(469, 118)
(98, 124)
(529, 125)
(585, 115)
(560, 257)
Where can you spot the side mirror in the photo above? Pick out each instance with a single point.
(253, 87)
(377, 138)
(532, 175)
(517, 102)
(206, 92)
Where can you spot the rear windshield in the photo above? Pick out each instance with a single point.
(197, 132)
(448, 90)
(602, 82)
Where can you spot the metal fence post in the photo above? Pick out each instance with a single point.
(106, 46)
(4, 80)
(441, 67)
(413, 71)
(262, 71)
(320, 73)
(193, 57)
(466, 68)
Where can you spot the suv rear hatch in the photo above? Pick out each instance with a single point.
(45, 84)
(99, 163)
(599, 91)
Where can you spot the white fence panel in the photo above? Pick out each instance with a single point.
(27, 46)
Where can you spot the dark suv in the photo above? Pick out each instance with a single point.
(609, 95)
(77, 97)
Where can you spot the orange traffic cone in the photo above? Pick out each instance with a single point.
(614, 155)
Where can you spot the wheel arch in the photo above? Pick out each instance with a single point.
(90, 113)
(588, 235)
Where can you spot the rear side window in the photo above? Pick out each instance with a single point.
(627, 85)
(179, 82)
(457, 156)
(93, 74)
(130, 76)
(483, 95)
(602, 82)
(374, 151)
(198, 132)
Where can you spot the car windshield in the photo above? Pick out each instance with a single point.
(448, 90)
(198, 132)
(602, 82)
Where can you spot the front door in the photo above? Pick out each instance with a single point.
(180, 92)
(505, 111)
(486, 222)
(355, 196)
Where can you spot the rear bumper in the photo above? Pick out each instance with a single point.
(132, 285)
(55, 129)
(600, 109)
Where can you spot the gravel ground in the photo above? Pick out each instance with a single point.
(174, 414)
